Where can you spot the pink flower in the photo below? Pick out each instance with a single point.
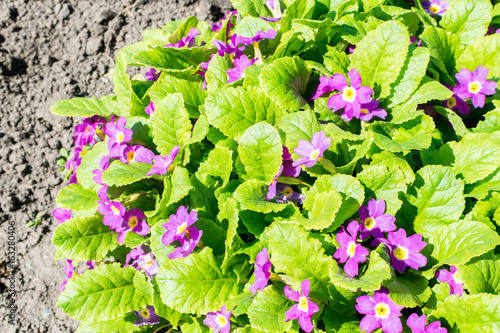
(374, 221)
(162, 164)
(135, 220)
(142, 261)
(178, 224)
(435, 7)
(370, 110)
(70, 273)
(288, 169)
(311, 151)
(405, 250)
(305, 309)
(152, 75)
(417, 325)
(188, 41)
(103, 165)
(453, 279)
(146, 316)
(271, 193)
(262, 271)
(240, 63)
(380, 311)
(219, 320)
(187, 245)
(61, 214)
(150, 109)
(118, 133)
(474, 85)
(455, 102)
(350, 250)
(326, 85)
(131, 154)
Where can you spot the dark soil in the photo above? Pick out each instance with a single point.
(52, 50)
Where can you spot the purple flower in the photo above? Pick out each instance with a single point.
(135, 220)
(417, 325)
(219, 320)
(152, 75)
(351, 48)
(370, 110)
(131, 154)
(455, 102)
(350, 250)
(273, 19)
(262, 271)
(232, 47)
(350, 97)
(286, 193)
(103, 165)
(473, 85)
(61, 214)
(146, 316)
(113, 213)
(91, 264)
(70, 273)
(380, 311)
(311, 151)
(84, 133)
(150, 109)
(405, 251)
(229, 15)
(491, 30)
(413, 39)
(288, 169)
(240, 64)
(162, 164)
(260, 35)
(187, 245)
(435, 7)
(143, 261)
(271, 3)
(188, 41)
(271, 192)
(178, 224)
(453, 279)
(305, 309)
(374, 221)
(117, 133)
(326, 85)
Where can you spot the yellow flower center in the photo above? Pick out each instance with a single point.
(74, 274)
(145, 313)
(171, 167)
(474, 87)
(351, 248)
(382, 310)
(87, 128)
(369, 223)
(120, 137)
(287, 192)
(365, 111)
(401, 253)
(98, 130)
(182, 228)
(221, 320)
(130, 156)
(115, 210)
(132, 222)
(349, 94)
(457, 277)
(434, 9)
(149, 263)
(303, 304)
(451, 102)
(314, 154)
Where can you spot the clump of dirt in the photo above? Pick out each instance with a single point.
(52, 50)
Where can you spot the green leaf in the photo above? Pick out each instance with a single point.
(84, 238)
(300, 257)
(378, 271)
(469, 18)
(429, 90)
(322, 207)
(90, 162)
(75, 197)
(183, 29)
(159, 250)
(251, 8)
(234, 110)
(439, 198)
(106, 292)
(173, 59)
(471, 313)
(252, 196)
(491, 122)
(381, 54)
(171, 124)
(284, 81)
(392, 161)
(181, 185)
(85, 107)
(124, 324)
(119, 173)
(260, 151)
(214, 236)
(216, 75)
(267, 311)
(409, 290)
(195, 284)
(249, 26)
(128, 103)
(217, 168)
(298, 126)
(481, 276)
(229, 212)
(336, 61)
(484, 51)
(456, 121)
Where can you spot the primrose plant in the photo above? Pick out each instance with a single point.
(299, 166)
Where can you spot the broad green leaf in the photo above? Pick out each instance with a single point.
(124, 324)
(469, 18)
(181, 185)
(336, 61)
(378, 271)
(252, 8)
(216, 75)
(260, 151)
(267, 311)
(127, 100)
(284, 81)
(90, 162)
(84, 238)
(298, 126)
(392, 161)
(218, 165)
(159, 250)
(171, 124)
(164, 311)
(249, 26)
(300, 257)
(439, 198)
(75, 197)
(491, 122)
(338, 322)
(429, 90)
(214, 236)
(202, 198)
(471, 313)
(195, 284)
(409, 290)
(234, 110)
(252, 196)
(456, 121)
(484, 51)
(106, 292)
(85, 107)
(322, 207)
(381, 54)
(482, 276)
(229, 213)
(183, 29)
(172, 58)
(291, 43)
(119, 173)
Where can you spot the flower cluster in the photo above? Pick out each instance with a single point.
(179, 226)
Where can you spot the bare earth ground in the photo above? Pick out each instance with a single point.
(51, 50)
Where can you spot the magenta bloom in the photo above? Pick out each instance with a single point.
(135, 220)
(453, 279)
(413, 39)
(219, 320)
(326, 85)
(271, 3)
(370, 110)
(286, 193)
(435, 7)
(374, 221)
(113, 213)
(152, 75)
(417, 325)
(146, 316)
(273, 19)
(240, 64)
(217, 26)
(61, 214)
(262, 271)
(103, 165)
(162, 164)
(187, 245)
(142, 261)
(474, 85)
(350, 250)
(150, 109)
(131, 154)
(260, 35)
(288, 169)
(350, 97)
(380, 311)
(178, 224)
(271, 192)
(232, 47)
(405, 251)
(70, 273)
(85, 132)
(305, 309)
(188, 41)
(455, 102)
(311, 151)
(117, 133)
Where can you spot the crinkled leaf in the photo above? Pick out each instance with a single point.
(85, 107)
(119, 173)
(252, 196)
(90, 162)
(481, 276)
(409, 290)
(484, 51)
(75, 197)
(267, 311)
(322, 207)
(391, 161)
(298, 126)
